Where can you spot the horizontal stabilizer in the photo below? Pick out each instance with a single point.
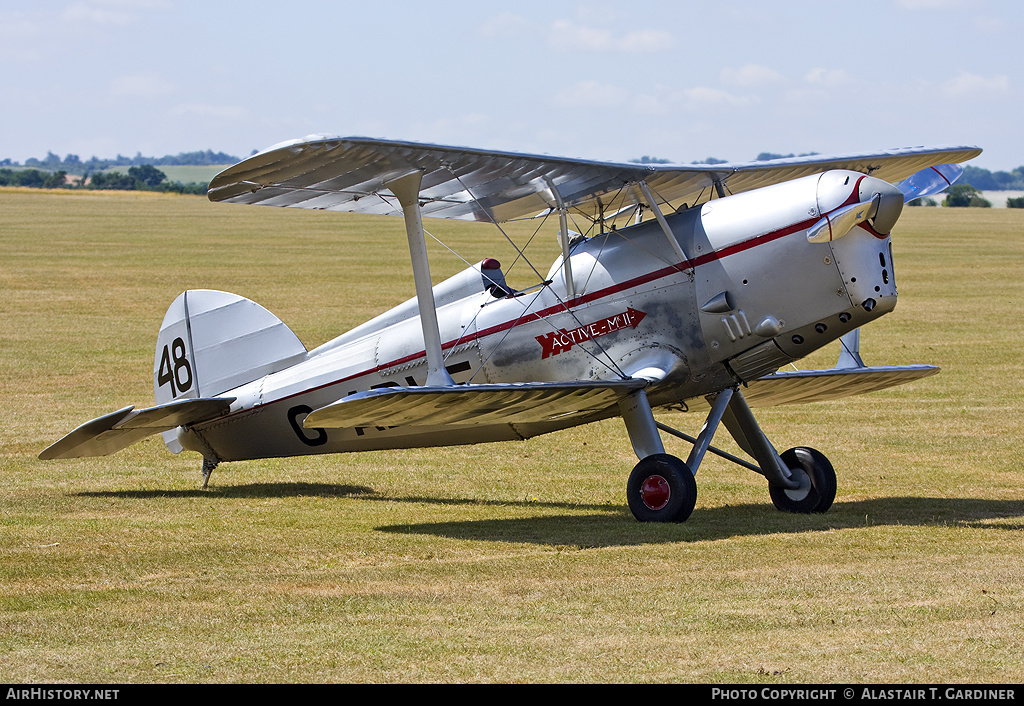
(801, 386)
(513, 403)
(118, 430)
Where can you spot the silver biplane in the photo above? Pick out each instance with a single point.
(694, 286)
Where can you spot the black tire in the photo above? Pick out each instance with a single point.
(821, 494)
(661, 488)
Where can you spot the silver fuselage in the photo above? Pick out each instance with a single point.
(753, 296)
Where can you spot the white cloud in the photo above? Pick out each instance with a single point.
(967, 84)
(930, 4)
(590, 94)
(204, 110)
(988, 24)
(701, 97)
(750, 75)
(91, 12)
(568, 36)
(15, 25)
(20, 37)
(646, 40)
(109, 12)
(827, 77)
(505, 25)
(141, 86)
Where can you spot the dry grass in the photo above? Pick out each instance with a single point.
(509, 563)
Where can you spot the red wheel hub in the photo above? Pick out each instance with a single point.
(655, 492)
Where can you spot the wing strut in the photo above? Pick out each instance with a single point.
(563, 239)
(648, 198)
(407, 189)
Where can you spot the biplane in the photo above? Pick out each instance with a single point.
(691, 287)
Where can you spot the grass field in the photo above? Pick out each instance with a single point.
(511, 563)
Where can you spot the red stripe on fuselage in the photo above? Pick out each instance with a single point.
(568, 306)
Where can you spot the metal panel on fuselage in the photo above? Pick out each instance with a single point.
(754, 248)
(267, 419)
(634, 313)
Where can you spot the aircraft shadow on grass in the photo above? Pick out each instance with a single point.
(604, 526)
(601, 530)
(249, 490)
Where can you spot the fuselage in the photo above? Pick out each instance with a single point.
(752, 295)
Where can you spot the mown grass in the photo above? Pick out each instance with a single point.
(509, 562)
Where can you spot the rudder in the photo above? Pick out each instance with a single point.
(211, 342)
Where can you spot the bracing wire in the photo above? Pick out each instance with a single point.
(610, 364)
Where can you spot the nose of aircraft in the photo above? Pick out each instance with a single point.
(846, 199)
(890, 203)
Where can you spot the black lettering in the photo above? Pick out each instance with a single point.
(175, 369)
(293, 418)
(458, 367)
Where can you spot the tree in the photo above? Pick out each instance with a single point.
(962, 195)
(56, 180)
(647, 159)
(112, 180)
(147, 174)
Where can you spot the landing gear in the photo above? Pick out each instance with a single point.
(661, 488)
(817, 489)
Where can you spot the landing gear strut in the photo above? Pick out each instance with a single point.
(662, 488)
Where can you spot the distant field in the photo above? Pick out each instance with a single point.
(186, 174)
(512, 562)
(998, 198)
(190, 174)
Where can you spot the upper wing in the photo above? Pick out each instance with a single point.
(349, 173)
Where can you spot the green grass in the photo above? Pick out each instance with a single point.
(511, 562)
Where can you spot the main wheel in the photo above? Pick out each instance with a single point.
(818, 496)
(661, 488)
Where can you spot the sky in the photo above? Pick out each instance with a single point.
(616, 81)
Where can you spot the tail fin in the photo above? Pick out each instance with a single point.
(211, 342)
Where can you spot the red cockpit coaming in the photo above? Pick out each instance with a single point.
(558, 308)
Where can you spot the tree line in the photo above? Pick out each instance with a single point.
(962, 195)
(145, 177)
(72, 164)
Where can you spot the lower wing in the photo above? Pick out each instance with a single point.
(800, 386)
(469, 405)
